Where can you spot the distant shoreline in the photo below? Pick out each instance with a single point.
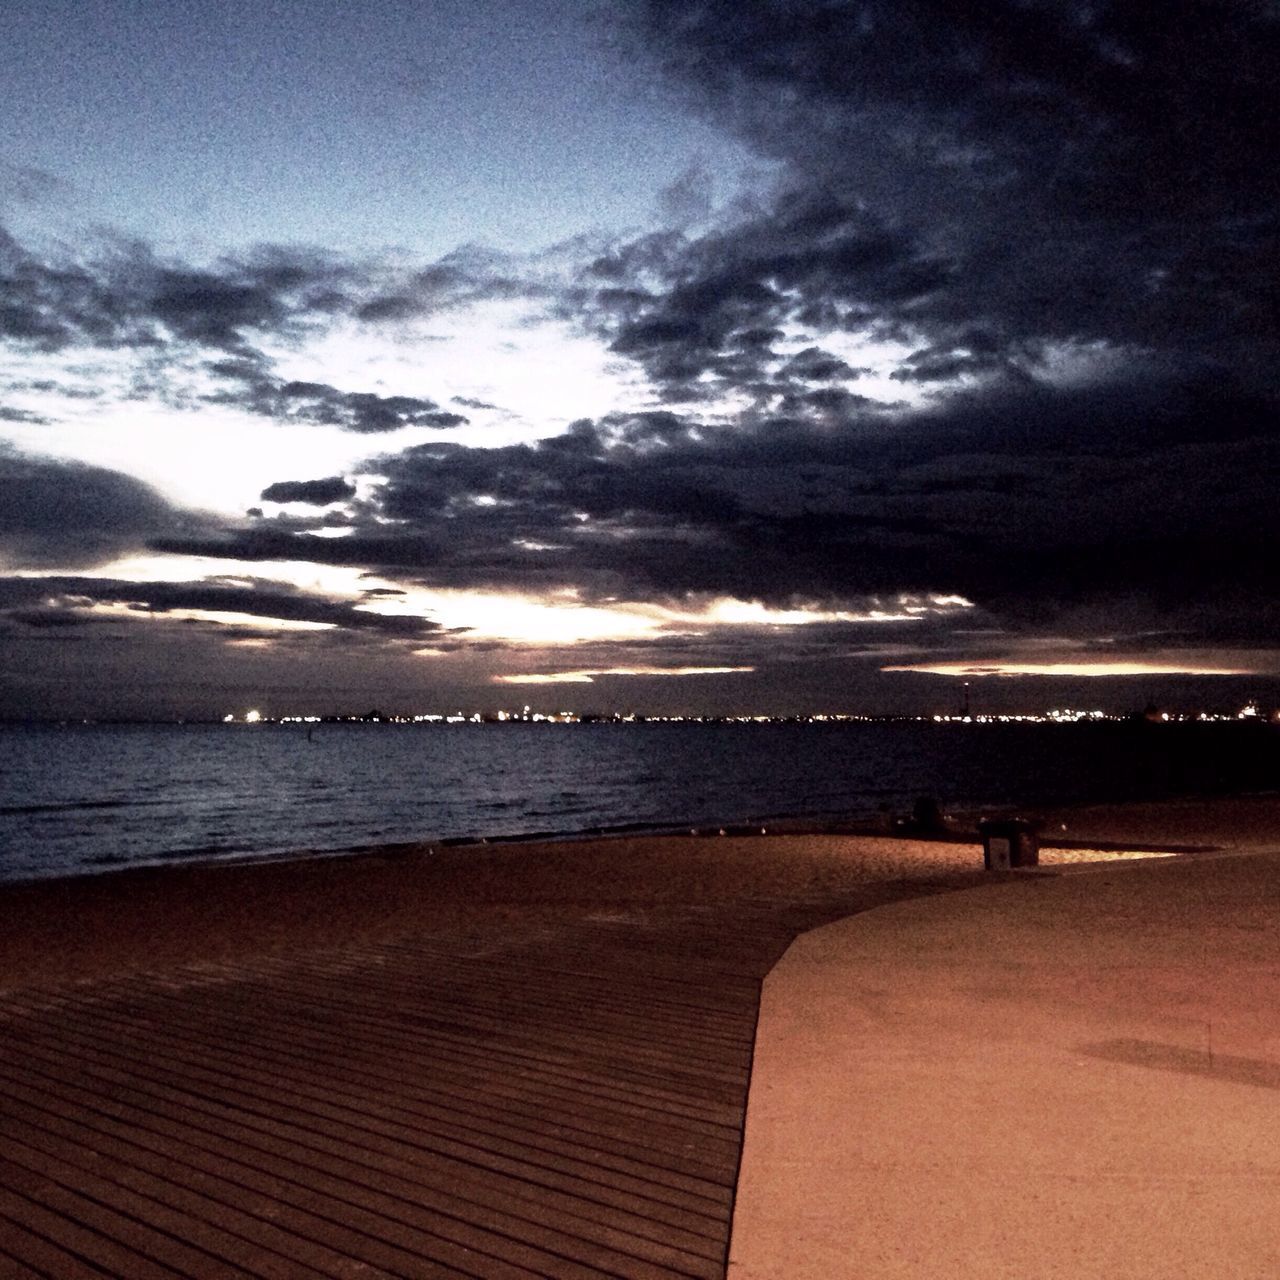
(1258, 718)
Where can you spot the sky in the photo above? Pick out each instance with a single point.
(766, 357)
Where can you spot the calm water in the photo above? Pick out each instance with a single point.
(92, 798)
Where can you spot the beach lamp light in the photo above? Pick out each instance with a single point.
(1008, 843)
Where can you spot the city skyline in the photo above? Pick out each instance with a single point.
(710, 358)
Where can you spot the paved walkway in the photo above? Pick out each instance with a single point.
(1070, 1075)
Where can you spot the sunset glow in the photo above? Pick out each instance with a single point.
(1078, 668)
(587, 677)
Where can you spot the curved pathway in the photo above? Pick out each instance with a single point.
(1070, 1076)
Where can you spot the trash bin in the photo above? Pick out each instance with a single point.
(1009, 842)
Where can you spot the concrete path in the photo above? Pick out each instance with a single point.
(1072, 1075)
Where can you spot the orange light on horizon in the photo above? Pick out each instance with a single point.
(1088, 670)
(588, 676)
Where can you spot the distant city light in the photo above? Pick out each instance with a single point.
(1251, 712)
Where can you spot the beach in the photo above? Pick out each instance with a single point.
(507, 1059)
(97, 927)
(100, 926)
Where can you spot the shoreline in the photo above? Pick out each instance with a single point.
(1102, 825)
(78, 927)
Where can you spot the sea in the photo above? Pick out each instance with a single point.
(78, 799)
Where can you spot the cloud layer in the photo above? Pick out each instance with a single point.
(1000, 327)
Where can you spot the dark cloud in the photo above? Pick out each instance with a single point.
(825, 402)
(8, 414)
(251, 386)
(119, 294)
(39, 303)
(62, 598)
(55, 512)
(1136, 500)
(215, 310)
(987, 181)
(79, 390)
(376, 549)
(468, 275)
(1044, 83)
(318, 493)
(46, 619)
(815, 365)
(703, 315)
(363, 411)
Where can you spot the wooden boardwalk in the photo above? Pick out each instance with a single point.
(562, 1101)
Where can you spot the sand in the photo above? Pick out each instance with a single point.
(102, 926)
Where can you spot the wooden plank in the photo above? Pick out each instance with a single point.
(25, 1252)
(417, 1107)
(565, 1102)
(76, 1224)
(499, 1088)
(429, 1084)
(137, 1219)
(391, 1158)
(330, 1234)
(347, 1168)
